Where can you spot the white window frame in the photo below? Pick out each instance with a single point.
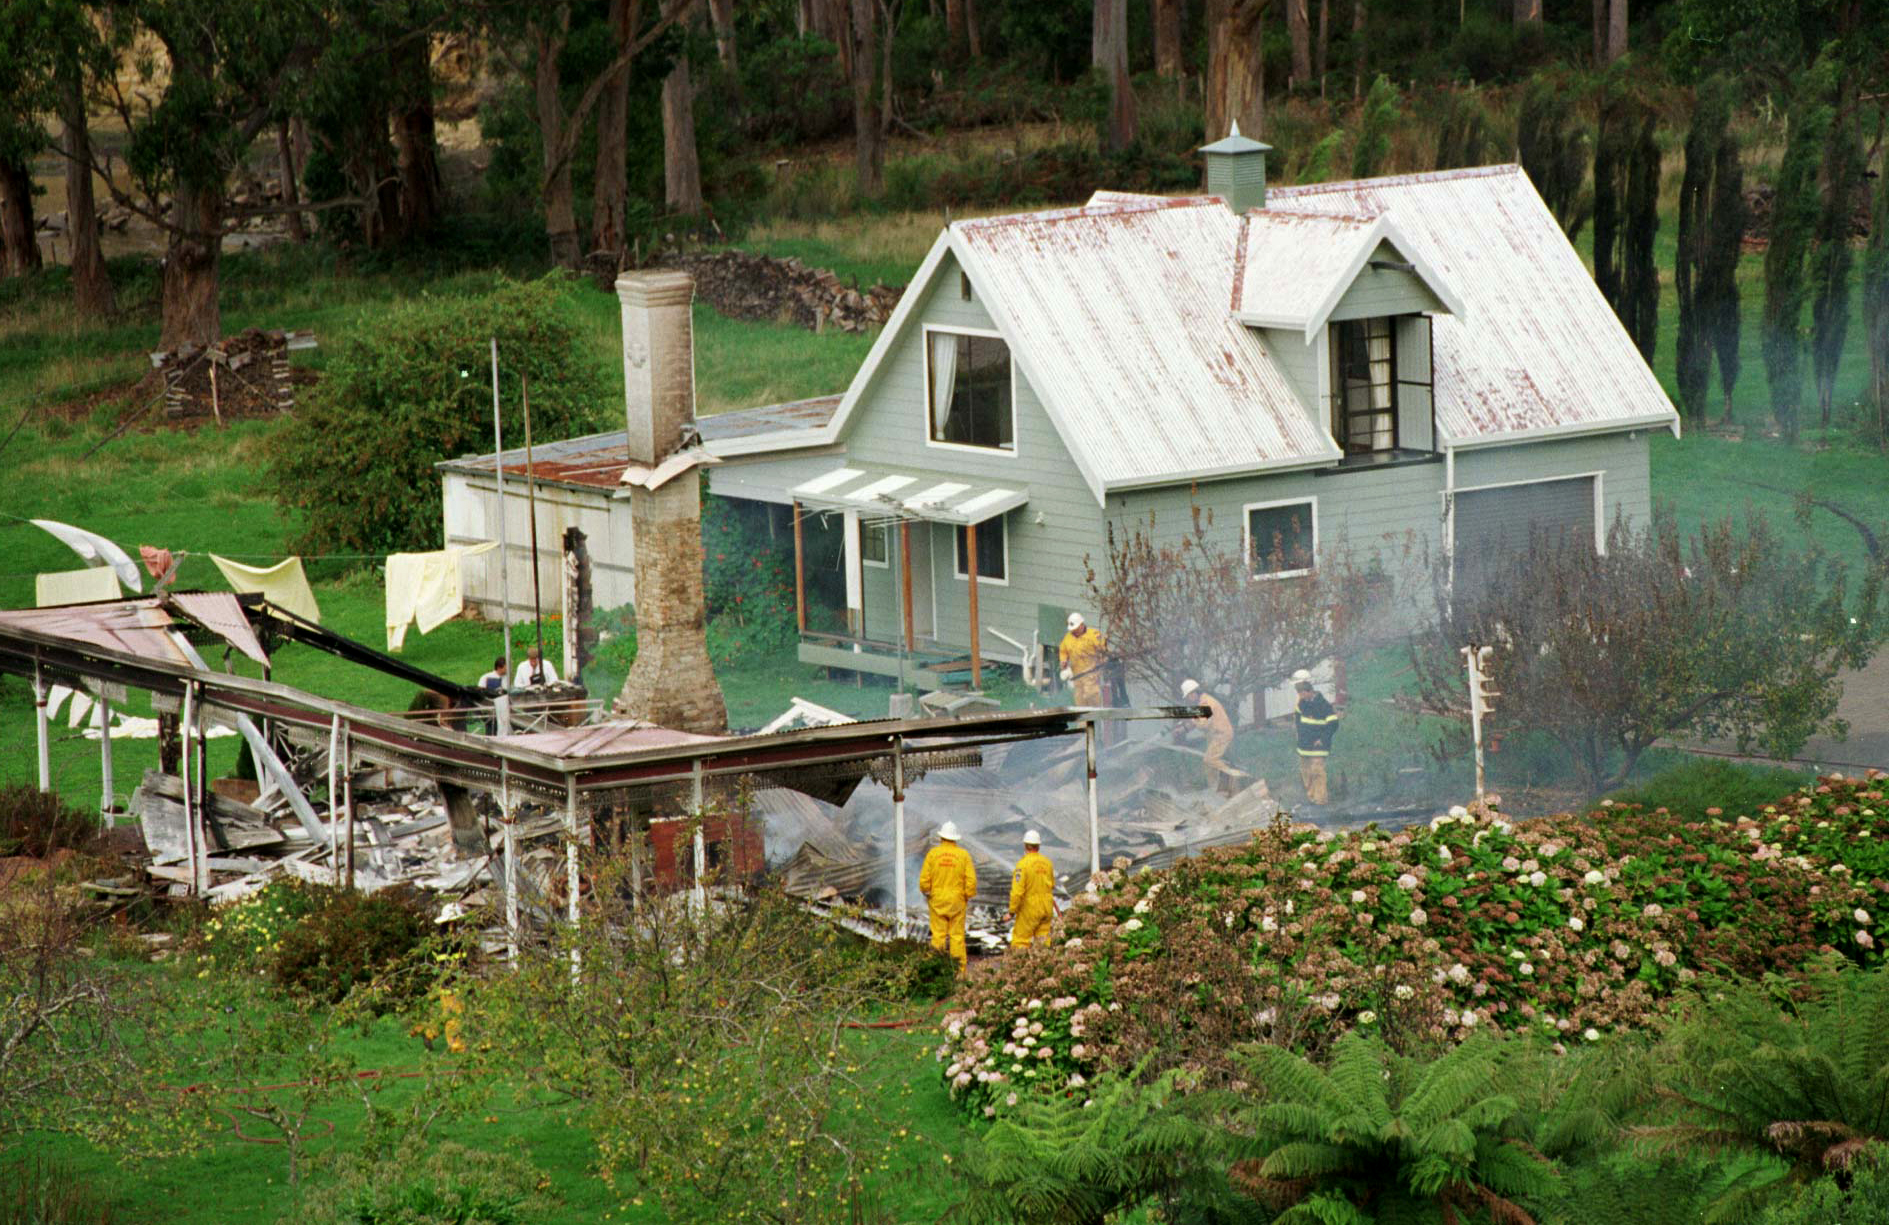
(961, 573)
(1246, 534)
(866, 528)
(1599, 477)
(1014, 448)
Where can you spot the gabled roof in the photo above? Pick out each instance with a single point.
(1537, 352)
(1293, 267)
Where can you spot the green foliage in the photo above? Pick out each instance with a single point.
(1378, 1136)
(1791, 1074)
(349, 940)
(247, 934)
(748, 583)
(1626, 212)
(37, 824)
(1552, 150)
(1320, 162)
(42, 1192)
(356, 461)
(1860, 1194)
(1876, 308)
(435, 1184)
(1711, 234)
(1830, 257)
(1698, 788)
(1793, 218)
(1379, 116)
(1462, 131)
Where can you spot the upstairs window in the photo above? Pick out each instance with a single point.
(968, 391)
(1364, 385)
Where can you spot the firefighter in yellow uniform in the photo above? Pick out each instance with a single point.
(1032, 895)
(949, 882)
(1082, 652)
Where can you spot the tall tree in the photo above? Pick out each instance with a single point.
(721, 15)
(681, 162)
(1552, 150)
(1236, 67)
(862, 48)
(1320, 47)
(1711, 230)
(1830, 257)
(1626, 214)
(23, 97)
(1108, 47)
(19, 245)
(1527, 12)
(1793, 217)
(1876, 302)
(80, 51)
(1359, 47)
(1169, 18)
(1299, 34)
(1600, 33)
(422, 190)
(1616, 29)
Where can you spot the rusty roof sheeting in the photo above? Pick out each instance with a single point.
(1118, 312)
(602, 739)
(135, 627)
(1539, 351)
(1288, 263)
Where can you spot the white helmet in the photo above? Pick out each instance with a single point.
(948, 831)
(1189, 687)
(1032, 838)
(1075, 621)
(1301, 677)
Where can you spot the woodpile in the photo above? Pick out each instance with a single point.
(244, 375)
(761, 288)
(1760, 198)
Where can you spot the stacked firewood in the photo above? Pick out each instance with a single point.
(760, 288)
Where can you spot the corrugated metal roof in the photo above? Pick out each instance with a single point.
(597, 461)
(1538, 349)
(1291, 263)
(135, 627)
(1118, 313)
(602, 739)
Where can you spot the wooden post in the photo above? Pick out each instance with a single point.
(570, 866)
(800, 573)
(970, 564)
(334, 795)
(509, 844)
(347, 799)
(905, 580)
(107, 801)
(191, 837)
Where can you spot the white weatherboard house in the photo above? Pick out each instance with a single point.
(1419, 355)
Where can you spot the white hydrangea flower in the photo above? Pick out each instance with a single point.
(1133, 925)
(1591, 1034)
(1367, 1017)
(1595, 877)
(1469, 1018)
(1143, 906)
(1357, 895)
(1860, 915)
(1404, 991)
(1407, 881)
(1268, 924)
(1575, 923)
(1419, 917)
(1538, 879)
(1526, 968)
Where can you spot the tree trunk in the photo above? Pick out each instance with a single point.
(610, 184)
(560, 212)
(1319, 59)
(91, 284)
(681, 168)
(868, 122)
(957, 30)
(19, 246)
(386, 189)
(1168, 18)
(287, 168)
(1358, 49)
(421, 189)
(1616, 29)
(970, 28)
(1527, 12)
(192, 261)
(1600, 32)
(1108, 45)
(1299, 31)
(1236, 67)
(721, 14)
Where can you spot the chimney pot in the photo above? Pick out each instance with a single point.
(658, 361)
(1236, 170)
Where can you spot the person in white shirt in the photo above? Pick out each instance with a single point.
(536, 670)
(494, 680)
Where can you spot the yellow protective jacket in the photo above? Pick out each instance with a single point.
(1033, 886)
(1084, 656)
(948, 879)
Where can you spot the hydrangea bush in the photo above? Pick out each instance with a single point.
(1568, 926)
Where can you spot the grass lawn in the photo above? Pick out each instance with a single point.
(230, 1179)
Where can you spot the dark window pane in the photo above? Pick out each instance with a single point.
(974, 371)
(1281, 537)
(990, 550)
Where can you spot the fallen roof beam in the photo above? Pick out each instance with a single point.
(285, 624)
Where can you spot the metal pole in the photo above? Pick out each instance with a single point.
(898, 832)
(193, 837)
(42, 726)
(108, 800)
(1475, 710)
(531, 502)
(334, 817)
(570, 867)
(504, 539)
(347, 797)
(1095, 821)
(510, 844)
(698, 897)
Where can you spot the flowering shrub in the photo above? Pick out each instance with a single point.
(248, 933)
(1569, 926)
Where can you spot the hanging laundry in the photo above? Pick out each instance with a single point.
(161, 563)
(97, 550)
(76, 586)
(424, 589)
(284, 584)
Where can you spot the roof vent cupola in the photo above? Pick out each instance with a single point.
(1236, 170)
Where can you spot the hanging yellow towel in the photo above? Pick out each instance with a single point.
(76, 586)
(285, 584)
(425, 589)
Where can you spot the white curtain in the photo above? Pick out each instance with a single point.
(944, 378)
(1379, 349)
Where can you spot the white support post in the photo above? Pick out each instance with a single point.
(108, 800)
(570, 868)
(898, 833)
(42, 726)
(347, 800)
(698, 896)
(1095, 820)
(510, 843)
(193, 838)
(334, 817)
(504, 535)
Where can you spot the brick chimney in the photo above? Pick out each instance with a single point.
(672, 682)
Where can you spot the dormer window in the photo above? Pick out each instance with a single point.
(1364, 385)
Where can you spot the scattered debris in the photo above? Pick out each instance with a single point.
(245, 375)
